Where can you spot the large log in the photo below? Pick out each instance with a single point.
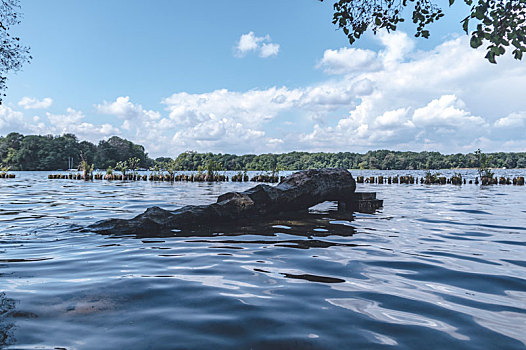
(296, 192)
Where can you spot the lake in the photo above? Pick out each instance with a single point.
(439, 266)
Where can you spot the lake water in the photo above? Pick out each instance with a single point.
(436, 267)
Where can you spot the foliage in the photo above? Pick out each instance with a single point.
(277, 169)
(85, 167)
(156, 169)
(162, 160)
(381, 159)
(4, 169)
(483, 164)
(133, 164)
(212, 167)
(116, 149)
(49, 152)
(500, 23)
(52, 152)
(431, 178)
(12, 53)
(122, 167)
(171, 166)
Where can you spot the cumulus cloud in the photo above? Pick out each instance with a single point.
(396, 98)
(236, 120)
(225, 119)
(10, 120)
(139, 123)
(269, 49)
(349, 60)
(447, 99)
(397, 47)
(510, 128)
(124, 109)
(251, 43)
(514, 120)
(447, 111)
(73, 122)
(248, 42)
(33, 103)
(15, 121)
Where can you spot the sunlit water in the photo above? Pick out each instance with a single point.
(436, 267)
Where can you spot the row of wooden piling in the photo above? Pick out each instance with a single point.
(407, 179)
(136, 177)
(171, 178)
(441, 180)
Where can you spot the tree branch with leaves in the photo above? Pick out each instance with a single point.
(12, 53)
(498, 23)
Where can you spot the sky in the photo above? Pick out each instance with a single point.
(246, 76)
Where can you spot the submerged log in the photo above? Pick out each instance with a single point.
(296, 192)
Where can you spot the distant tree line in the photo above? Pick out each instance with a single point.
(381, 159)
(35, 152)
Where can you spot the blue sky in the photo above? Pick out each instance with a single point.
(255, 77)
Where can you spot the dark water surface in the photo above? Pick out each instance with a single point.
(437, 267)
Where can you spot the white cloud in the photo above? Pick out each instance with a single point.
(33, 103)
(397, 47)
(269, 49)
(447, 99)
(509, 129)
(10, 119)
(392, 119)
(395, 98)
(124, 109)
(349, 60)
(15, 121)
(73, 122)
(224, 120)
(446, 112)
(251, 43)
(138, 123)
(248, 42)
(514, 120)
(62, 120)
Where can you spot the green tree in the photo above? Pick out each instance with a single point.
(122, 167)
(171, 166)
(133, 164)
(484, 161)
(12, 53)
(163, 159)
(498, 23)
(117, 149)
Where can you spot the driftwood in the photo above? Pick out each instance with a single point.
(297, 192)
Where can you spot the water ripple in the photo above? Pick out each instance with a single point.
(445, 263)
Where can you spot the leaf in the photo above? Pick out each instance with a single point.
(451, 2)
(465, 23)
(475, 42)
(491, 57)
(479, 13)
